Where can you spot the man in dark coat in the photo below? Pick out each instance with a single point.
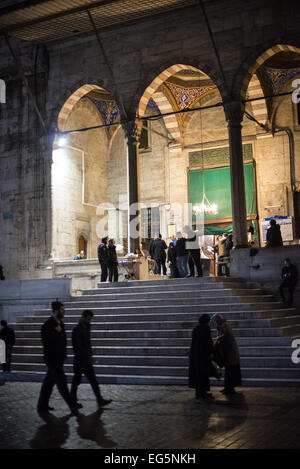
(54, 342)
(103, 258)
(8, 336)
(172, 261)
(181, 255)
(158, 253)
(201, 354)
(83, 359)
(274, 238)
(194, 258)
(112, 262)
(289, 275)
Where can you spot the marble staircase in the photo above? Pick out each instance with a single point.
(141, 331)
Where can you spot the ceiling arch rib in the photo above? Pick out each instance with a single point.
(171, 121)
(259, 107)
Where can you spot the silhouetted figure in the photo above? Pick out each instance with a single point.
(54, 342)
(201, 353)
(7, 334)
(158, 253)
(103, 257)
(181, 255)
(112, 261)
(2, 277)
(274, 238)
(230, 354)
(172, 261)
(83, 359)
(194, 252)
(289, 275)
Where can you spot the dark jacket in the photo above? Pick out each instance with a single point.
(200, 352)
(103, 255)
(289, 274)
(81, 341)
(172, 255)
(54, 342)
(158, 249)
(274, 238)
(112, 256)
(8, 335)
(180, 248)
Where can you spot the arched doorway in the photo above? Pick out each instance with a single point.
(89, 159)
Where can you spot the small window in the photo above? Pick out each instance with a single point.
(144, 140)
(82, 247)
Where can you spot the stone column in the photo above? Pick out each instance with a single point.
(134, 239)
(234, 116)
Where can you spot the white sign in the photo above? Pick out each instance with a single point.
(286, 227)
(2, 352)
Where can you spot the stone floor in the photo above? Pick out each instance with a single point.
(152, 417)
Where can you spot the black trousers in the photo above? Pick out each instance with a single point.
(195, 260)
(161, 263)
(291, 288)
(55, 375)
(174, 271)
(104, 271)
(86, 369)
(113, 273)
(8, 352)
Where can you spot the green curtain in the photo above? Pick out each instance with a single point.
(218, 191)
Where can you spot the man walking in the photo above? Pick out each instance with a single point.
(83, 359)
(8, 336)
(54, 342)
(103, 257)
(289, 277)
(158, 253)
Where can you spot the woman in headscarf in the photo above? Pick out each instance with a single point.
(201, 353)
(230, 354)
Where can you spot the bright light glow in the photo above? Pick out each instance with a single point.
(62, 141)
(167, 207)
(205, 208)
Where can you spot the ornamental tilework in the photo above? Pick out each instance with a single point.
(186, 97)
(276, 78)
(152, 105)
(108, 110)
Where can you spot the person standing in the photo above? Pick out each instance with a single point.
(201, 353)
(229, 352)
(181, 255)
(103, 258)
(172, 261)
(289, 275)
(7, 334)
(274, 238)
(194, 258)
(158, 253)
(54, 342)
(112, 261)
(83, 359)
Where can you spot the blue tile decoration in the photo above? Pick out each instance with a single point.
(276, 78)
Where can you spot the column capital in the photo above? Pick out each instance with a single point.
(234, 111)
(132, 130)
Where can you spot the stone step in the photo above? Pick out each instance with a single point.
(244, 331)
(169, 281)
(38, 376)
(254, 311)
(91, 303)
(166, 321)
(166, 350)
(164, 288)
(247, 372)
(158, 339)
(187, 293)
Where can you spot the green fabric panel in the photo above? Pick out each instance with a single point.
(217, 229)
(218, 190)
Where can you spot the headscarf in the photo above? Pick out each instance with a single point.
(218, 320)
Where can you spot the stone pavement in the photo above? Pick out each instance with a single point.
(152, 417)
